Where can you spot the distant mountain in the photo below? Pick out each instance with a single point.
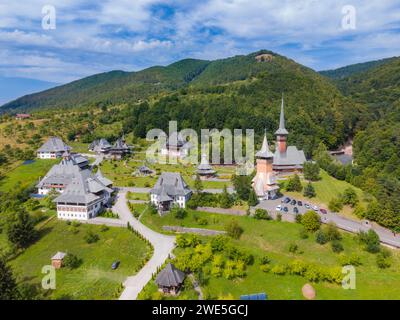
(12, 87)
(120, 87)
(347, 71)
(112, 87)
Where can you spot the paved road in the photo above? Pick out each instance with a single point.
(163, 246)
(386, 236)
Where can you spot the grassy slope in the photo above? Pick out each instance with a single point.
(121, 173)
(25, 175)
(326, 189)
(272, 238)
(94, 279)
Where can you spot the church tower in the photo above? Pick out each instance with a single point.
(264, 182)
(281, 133)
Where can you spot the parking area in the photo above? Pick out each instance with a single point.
(289, 206)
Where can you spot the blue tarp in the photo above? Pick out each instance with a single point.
(37, 196)
(257, 296)
(28, 162)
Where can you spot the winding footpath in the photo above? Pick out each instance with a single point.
(162, 244)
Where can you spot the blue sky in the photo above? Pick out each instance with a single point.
(97, 36)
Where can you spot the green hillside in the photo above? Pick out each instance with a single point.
(112, 87)
(347, 71)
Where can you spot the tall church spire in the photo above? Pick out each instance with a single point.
(265, 152)
(282, 130)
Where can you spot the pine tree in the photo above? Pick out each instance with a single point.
(198, 185)
(309, 191)
(294, 184)
(20, 230)
(8, 286)
(225, 199)
(253, 200)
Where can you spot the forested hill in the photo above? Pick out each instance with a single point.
(378, 87)
(118, 87)
(353, 69)
(111, 87)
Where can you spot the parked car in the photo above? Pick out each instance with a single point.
(278, 208)
(115, 265)
(323, 211)
(307, 206)
(293, 202)
(299, 203)
(286, 200)
(286, 209)
(295, 210)
(315, 208)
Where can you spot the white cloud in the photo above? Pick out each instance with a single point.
(125, 33)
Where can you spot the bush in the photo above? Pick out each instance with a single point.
(265, 260)
(152, 208)
(337, 246)
(311, 171)
(335, 205)
(353, 260)
(136, 213)
(76, 223)
(350, 197)
(298, 218)
(370, 240)
(332, 232)
(382, 261)
(279, 216)
(278, 269)
(309, 191)
(303, 234)
(311, 221)
(321, 238)
(104, 228)
(253, 200)
(261, 214)
(71, 261)
(91, 237)
(233, 229)
(293, 247)
(180, 213)
(294, 184)
(202, 221)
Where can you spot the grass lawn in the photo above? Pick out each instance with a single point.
(121, 173)
(326, 189)
(272, 238)
(137, 196)
(26, 174)
(93, 279)
(78, 147)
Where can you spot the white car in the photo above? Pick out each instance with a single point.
(307, 206)
(315, 208)
(278, 208)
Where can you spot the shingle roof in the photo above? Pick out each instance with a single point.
(120, 145)
(292, 156)
(172, 183)
(204, 167)
(59, 256)
(170, 276)
(99, 145)
(81, 185)
(54, 144)
(264, 152)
